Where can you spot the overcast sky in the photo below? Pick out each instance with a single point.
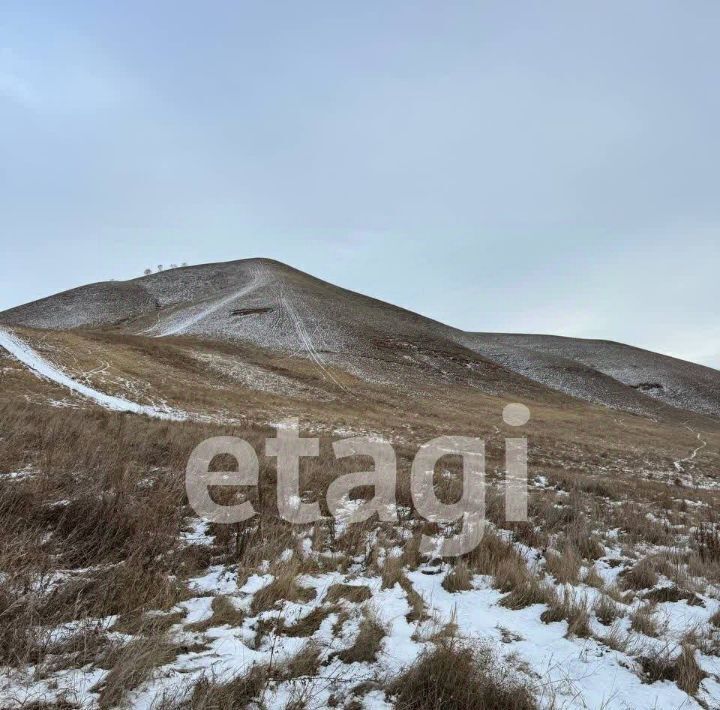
(502, 166)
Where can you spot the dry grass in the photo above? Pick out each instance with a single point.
(618, 595)
(141, 622)
(492, 552)
(707, 542)
(688, 674)
(392, 574)
(606, 610)
(411, 552)
(565, 566)
(367, 643)
(567, 607)
(528, 591)
(524, 588)
(310, 623)
(641, 575)
(125, 589)
(118, 533)
(643, 620)
(616, 638)
(237, 693)
(305, 663)
(459, 579)
(673, 594)
(593, 578)
(354, 593)
(283, 588)
(88, 645)
(105, 503)
(580, 538)
(224, 613)
(681, 668)
(132, 665)
(250, 688)
(715, 619)
(458, 676)
(497, 557)
(633, 520)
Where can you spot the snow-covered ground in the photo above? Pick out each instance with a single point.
(564, 671)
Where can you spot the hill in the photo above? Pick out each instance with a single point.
(281, 309)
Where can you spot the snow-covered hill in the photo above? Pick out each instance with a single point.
(600, 371)
(279, 308)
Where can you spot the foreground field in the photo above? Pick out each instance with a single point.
(114, 593)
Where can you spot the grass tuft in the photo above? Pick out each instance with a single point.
(459, 676)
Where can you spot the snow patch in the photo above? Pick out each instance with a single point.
(21, 351)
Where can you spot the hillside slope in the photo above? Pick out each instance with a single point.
(278, 308)
(601, 371)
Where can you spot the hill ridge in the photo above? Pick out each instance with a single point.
(276, 306)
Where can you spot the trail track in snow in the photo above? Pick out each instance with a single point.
(679, 464)
(41, 367)
(305, 338)
(285, 318)
(182, 325)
